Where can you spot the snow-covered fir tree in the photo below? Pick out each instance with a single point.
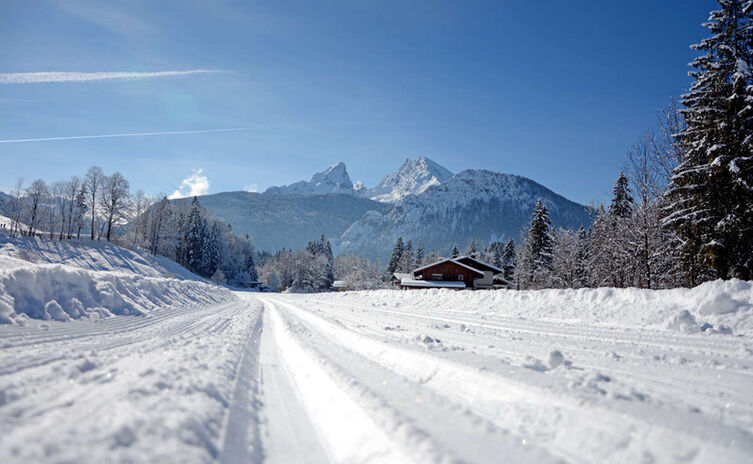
(536, 262)
(420, 253)
(622, 200)
(397, 253)
(321, 253)
(581, 277)
(407, 263)
(472, 249)
(711, 191)
(508, 260)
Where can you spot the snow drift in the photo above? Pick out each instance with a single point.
(713, 307)
(99, 280)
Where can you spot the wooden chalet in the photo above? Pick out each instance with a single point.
(463, 272)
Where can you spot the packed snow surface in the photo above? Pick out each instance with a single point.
(423, 376)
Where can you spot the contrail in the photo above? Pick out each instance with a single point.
(200, 131)
(45, 77)
(135, 134)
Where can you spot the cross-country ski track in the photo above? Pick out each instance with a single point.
(271, 378)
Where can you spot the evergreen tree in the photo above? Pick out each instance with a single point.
(508, 260)
(581, 274)
(472, 249)
(711, 190)
(250, 266)
(420, 254)
(455, 253)
(80, 211)
(397, 253)
(329, 275)
(321, 252)
(194, 239)
(539, 253)
(618, 251)
(210, 251)
(493, 253)
(622, 200)
(406, 258)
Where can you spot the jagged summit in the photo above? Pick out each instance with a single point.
(334, 179)
(413, 177)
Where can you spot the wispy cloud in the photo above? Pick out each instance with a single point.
(116, 17)
(193, 185)
(56, 76)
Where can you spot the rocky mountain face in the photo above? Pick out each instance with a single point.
(334, 179)
(420, 201)
(471, 205)
(413, 177)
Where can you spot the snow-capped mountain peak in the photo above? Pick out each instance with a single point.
(413, 177)
(334, 179)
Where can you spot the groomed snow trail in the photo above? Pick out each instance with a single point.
(365, 378)
(178, 385)
(449, 385)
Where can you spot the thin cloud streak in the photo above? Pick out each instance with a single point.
(131, 134)
(200, 131)
(55, 76)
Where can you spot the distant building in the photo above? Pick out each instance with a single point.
(463, 272)
(340, 286)
(398, 277)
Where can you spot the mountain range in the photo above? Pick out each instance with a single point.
(421, 200)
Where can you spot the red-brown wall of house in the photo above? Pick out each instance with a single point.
(450, 272)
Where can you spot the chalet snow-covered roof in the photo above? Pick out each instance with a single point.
(482, 263)
(446, 260)
(402, 275)
(433, 283)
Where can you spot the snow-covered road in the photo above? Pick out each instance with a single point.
(361, 378)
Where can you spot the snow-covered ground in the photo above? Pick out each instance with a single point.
(62, 280)
(383, 376)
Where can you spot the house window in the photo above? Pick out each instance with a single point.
(460, 277)
(436, 277)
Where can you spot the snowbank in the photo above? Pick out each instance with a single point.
(96, 279)
(90, 255)
(715, 307)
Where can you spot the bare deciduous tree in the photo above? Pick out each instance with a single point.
(36, 194)
(114, 200)
(94, 178)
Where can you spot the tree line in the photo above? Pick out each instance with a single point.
(100, 206)
(682, 209)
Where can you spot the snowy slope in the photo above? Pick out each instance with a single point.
(334, 179)
(287, 221)
(414, 176)
(471, 205)
(64, 280)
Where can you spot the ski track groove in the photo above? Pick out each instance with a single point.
(389, 381)
(636, 414)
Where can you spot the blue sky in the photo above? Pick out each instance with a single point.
(555, 91)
